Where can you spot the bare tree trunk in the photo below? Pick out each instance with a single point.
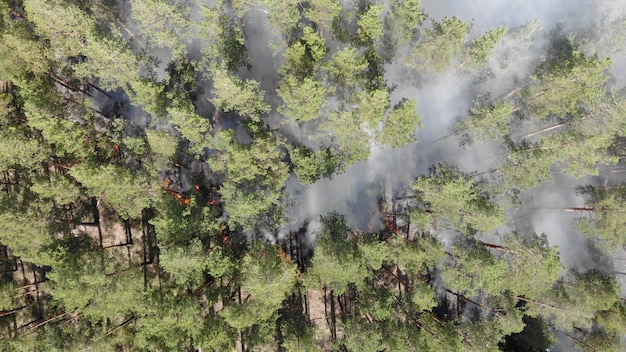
(459, 66)
(64, 83)
(4, 313)
(537, 302)
(495, 246)
(243, 345)
(102, 91)
(124, 323)
(464, 298)
(333, 318)
(47, 321)
(577, 340)
(546, 129)
(96, 217)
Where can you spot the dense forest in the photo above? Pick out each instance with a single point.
(337, 175)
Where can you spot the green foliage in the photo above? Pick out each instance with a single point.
(440, 45)
(181, 225)
(18, 150)
(536, 336)
(553, 93)
(100, 290)
(268, 276)
(351, 141)
(303, 57)
(58, 188)
(170, 325)
(580, 145)
(195, 274)
(163, 24)
(575, 303)
(224, 35)
(372, 106)
(371, 26)
(337, 262)
(375, 253)
(360, 336)
(187, 264)
(486, 121)
(487, 335)
(323, 12)
(243, 97)
(65, 136)
(26, 234)
(405, 17)
(192, 126)
(607, 335)
(306, 164)
(162, 143)
(331, 268)
(401, 125)
(282, 15)
(475, 269)
(254, 178)
(127, 192)
(480, 48)
(606, 224)
(24, 57)
(535, 266)
(345, 69)
(454, 200)
(302, 100)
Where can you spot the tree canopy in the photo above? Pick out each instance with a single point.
(278, 176)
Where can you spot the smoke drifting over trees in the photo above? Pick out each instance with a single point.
(344, 175)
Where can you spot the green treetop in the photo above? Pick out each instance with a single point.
(129, 193)
(480, 48)
(474, 269)
(486, 121)
(302, 100)
(441, 44)
(254, 178)
(405, 17)
(574, 302)
(567, 84)
(448, 198)
(605, 204)
(283, 16)
(345, 70)
(233, 94)
(303, 57)
(338, 262)
(401, 125)
(370, 23)
(323, 12)
(224, 36)
(163, 24)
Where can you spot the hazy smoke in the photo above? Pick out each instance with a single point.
(356, 192)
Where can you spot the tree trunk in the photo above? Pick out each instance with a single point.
(547, 129)
(495, 246)
(577, 340)
(124, 323)
(96, 217)
(464, 298)
(333, 318)
(68, 85)
(4, 313)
